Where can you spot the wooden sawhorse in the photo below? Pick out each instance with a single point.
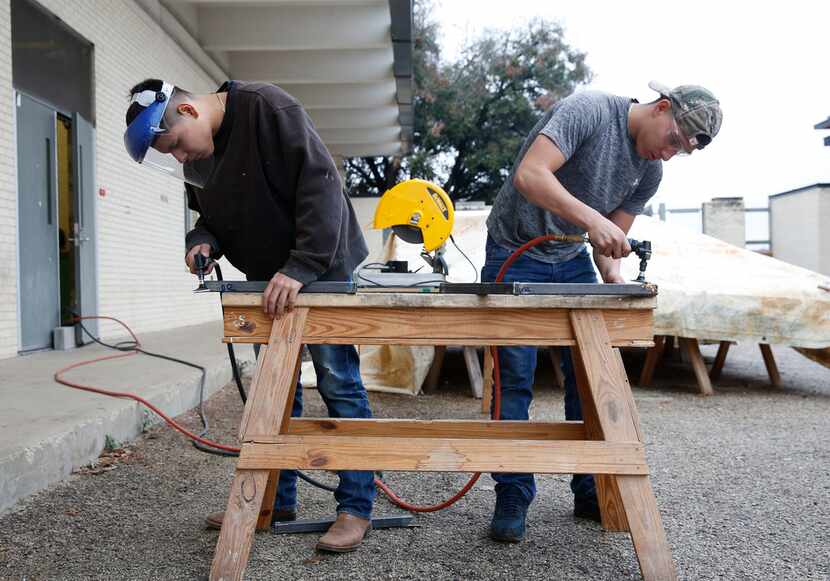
(664, 347)
(608, 443)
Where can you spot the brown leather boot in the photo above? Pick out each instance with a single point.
(345, 534)
(214, 519)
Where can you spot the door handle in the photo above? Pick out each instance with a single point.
(48, 180)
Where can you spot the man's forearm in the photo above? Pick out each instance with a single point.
(201, 235)
(609, 268)
(541, 188)
(535, 179)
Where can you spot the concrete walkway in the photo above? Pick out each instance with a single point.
(47, 430)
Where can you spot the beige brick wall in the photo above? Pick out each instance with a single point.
(140, 221)
(8, 192)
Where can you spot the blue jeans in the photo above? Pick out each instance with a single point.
(338, 381)
(518, 364)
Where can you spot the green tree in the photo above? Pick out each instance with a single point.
(471, 115)
(371, 176)
(474, 115)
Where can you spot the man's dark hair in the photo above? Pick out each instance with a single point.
(151, 85)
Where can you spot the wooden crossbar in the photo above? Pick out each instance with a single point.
(439, 326)
(433, 429)
(443, 455)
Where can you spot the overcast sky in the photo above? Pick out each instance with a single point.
(766, 62)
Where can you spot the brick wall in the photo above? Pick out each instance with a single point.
(140, 221)
(8, 192)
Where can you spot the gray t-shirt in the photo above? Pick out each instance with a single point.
(602, 169)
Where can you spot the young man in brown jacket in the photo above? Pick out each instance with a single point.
(270, 200)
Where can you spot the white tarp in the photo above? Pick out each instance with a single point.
(708, 289)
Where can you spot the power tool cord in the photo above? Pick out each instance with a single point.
(130, 348)
(457, 247)
(135, 346)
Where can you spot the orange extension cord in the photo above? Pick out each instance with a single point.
(496, 411)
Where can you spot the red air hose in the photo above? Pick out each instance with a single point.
(124, 395)
(496, 411)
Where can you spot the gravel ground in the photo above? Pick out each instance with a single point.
(742, 480)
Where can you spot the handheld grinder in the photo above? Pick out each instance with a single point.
(643, 250)
(202, 263)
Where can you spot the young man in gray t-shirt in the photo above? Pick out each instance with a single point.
(589, 166)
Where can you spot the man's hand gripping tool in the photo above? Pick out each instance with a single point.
(202, 264)
(640, 248)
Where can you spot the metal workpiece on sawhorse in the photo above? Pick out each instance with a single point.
(608, 443)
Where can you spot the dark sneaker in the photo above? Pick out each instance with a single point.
(508, 524)
(587, 507)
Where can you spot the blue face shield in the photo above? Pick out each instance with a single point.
(147, 126)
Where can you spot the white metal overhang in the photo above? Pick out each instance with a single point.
(824, 125)
(349, 62)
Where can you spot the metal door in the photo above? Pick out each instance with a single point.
(37, 223)
(83, 235)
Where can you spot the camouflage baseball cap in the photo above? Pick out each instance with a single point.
(696, 111)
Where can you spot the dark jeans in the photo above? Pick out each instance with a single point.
(340, 386)
(518, 364)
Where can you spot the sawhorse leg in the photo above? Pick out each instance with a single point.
(720, 359)
(434, 373)
(607, 401)
(653, 357)
(251, 497)
(474, 371)
(769, 362)
(608, 494)
(692, 349)
(487, 381)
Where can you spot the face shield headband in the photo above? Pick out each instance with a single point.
(147, 126)
(141, 133)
